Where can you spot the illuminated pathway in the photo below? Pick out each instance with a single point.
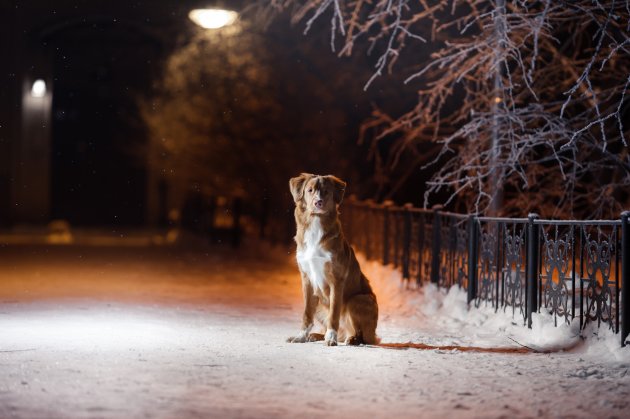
(174, 333)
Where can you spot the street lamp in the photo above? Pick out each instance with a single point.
(39, 88)
(212, 18)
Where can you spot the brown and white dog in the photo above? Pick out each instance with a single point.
(333, 286)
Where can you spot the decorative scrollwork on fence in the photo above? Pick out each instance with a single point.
(461, 255)
(454, 253)
(599, 294)
(557, 252)
(488, 260)
(514, 269)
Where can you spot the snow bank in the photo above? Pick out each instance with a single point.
(441, 317)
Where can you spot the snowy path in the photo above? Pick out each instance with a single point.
(170, 333)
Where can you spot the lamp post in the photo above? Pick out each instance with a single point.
(32, 162)
(159, 188)
(496, 183)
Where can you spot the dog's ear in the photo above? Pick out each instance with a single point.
(296, 185)
(339, 188)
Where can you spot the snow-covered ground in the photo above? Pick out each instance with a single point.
(176, 332)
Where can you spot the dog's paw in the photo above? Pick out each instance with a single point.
(354, 341)
(330, 338)
(300, 338)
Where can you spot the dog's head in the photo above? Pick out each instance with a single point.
(317, 194)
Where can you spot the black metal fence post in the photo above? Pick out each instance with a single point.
(625, 276)
(436, 245)
(498, 263)
(406, 240)
(532, 268)
(472, 258)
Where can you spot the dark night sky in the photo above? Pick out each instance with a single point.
(95, 56)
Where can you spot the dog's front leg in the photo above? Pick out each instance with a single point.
(310, 304)
(332, 324)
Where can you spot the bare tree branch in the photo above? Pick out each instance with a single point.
(549, 131)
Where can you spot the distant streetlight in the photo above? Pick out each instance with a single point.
(212, 18)
(39, 88)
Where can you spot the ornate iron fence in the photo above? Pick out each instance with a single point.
(573, 269)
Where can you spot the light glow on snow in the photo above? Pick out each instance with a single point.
(102, 330)
(212, 18)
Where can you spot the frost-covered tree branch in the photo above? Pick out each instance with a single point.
(521, 99)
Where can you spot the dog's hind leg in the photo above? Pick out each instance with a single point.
(362, 311)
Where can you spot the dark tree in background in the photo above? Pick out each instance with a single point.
(239, 111)
(520, 105)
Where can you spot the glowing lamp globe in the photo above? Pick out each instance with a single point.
(212, 18)
(39, 88)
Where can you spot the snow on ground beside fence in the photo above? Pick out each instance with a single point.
(440, 317)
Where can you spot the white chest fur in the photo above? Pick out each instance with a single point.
(311, 257)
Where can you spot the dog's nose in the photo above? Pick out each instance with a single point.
(319, 203)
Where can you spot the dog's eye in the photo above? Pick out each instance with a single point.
(310, 189)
